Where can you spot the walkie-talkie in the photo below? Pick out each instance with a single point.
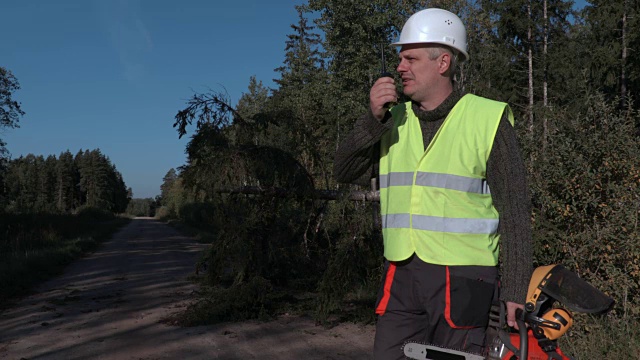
(385, 73)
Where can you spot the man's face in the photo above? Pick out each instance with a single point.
(418, 71)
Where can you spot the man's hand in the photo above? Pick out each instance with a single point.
(511, 314)
(382, 92)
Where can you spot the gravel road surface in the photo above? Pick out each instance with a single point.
(110, 305)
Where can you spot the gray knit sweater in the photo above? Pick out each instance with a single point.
(357, 157)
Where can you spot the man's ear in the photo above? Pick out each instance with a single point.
(445, 63)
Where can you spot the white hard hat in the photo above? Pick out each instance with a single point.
(435, 26)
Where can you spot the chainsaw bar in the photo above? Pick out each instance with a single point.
(414, 350)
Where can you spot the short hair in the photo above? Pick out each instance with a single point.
(436, 50)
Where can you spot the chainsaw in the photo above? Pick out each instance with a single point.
(540, 324)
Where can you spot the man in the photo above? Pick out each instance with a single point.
(453, 195)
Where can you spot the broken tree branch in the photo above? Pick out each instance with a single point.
(372, 196)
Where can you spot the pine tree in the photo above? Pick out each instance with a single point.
(252, 107)
(46, 184)
(10, 110)
(167, 183)
(17, 193)
(30, 183)
(101, 185)
(302, 97)
(356, 33)
(612, 34)
(67, 181)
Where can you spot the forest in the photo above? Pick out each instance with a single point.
(33, 184)
(258, 182)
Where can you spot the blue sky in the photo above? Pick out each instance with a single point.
(111, 74)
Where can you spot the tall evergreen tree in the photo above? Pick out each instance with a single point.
(613, 37)
(46, 183)
(10, 109)
(301, 98)
(30, 183)
(302, 56)
(252, 107)
(355, 35)
(120, 194)
(167, 183)
(67, 182)
(253, 102)
(20, 197)
(101, 184)
(519, 28)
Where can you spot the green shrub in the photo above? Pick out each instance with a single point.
(585, 184)
(248, 300)
(163, 213)
(350, 282)
(92, 213)
(586, 195)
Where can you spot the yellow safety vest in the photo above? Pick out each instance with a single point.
(436, 202)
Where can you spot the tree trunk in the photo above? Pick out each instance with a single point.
(545, 100)
(60, 196)
(623, 76)
(544, 51)
(530, 56)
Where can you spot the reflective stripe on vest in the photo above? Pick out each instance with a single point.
(441, 224)
(436, 202)
(445, 181)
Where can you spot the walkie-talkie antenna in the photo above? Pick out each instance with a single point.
(384, 65)
(385, 73)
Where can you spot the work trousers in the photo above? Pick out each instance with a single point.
(435, 304)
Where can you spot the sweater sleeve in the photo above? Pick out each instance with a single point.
(506, 176)
(360, 150)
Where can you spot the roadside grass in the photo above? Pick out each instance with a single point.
(256, 299)
(252, 300)
(36, 247)
(200, 235)
(603, 337)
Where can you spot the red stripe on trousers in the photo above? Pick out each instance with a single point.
(447, 309)
(382, 306)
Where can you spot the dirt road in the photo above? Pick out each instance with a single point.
(110, 304)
